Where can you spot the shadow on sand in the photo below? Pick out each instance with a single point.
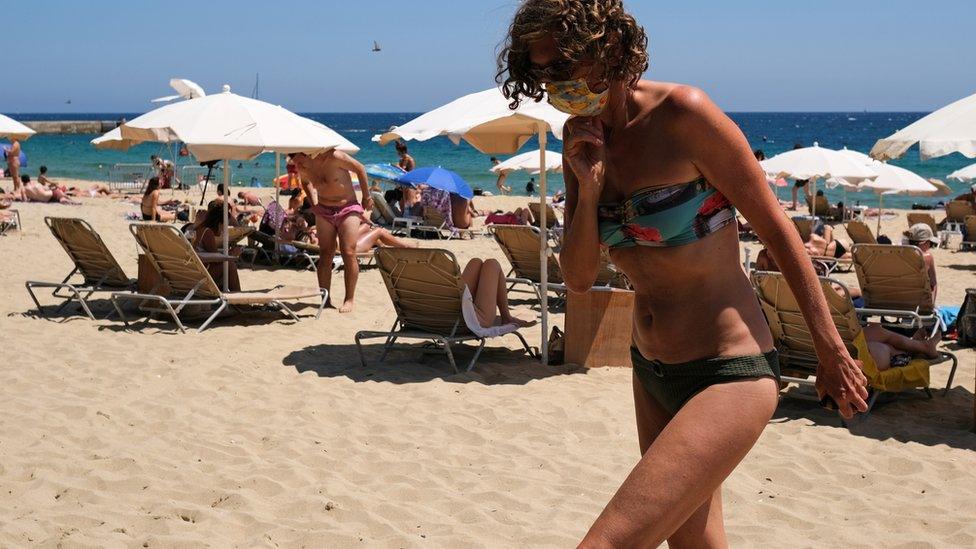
(496, 366)
(906, 417)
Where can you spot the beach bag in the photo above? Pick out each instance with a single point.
(556, 346)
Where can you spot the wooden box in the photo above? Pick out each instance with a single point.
(599, 327)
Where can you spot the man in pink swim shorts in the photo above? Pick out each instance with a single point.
(338, 213)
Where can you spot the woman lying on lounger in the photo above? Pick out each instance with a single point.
(370, 236)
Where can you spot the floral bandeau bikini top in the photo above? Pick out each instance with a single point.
(665, 216)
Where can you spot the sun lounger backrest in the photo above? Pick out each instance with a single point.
(426, 288)
(971, 228)
(804, 226)
(915, 218)
(791, 336)
(551, 219)
(521, 246)
(174, 259)
(87, 250)
(860, 233)
(382, 207)
(893, 277)
(957, 210)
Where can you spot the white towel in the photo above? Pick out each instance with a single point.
(470, 315)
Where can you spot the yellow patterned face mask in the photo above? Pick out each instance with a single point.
(574, 97)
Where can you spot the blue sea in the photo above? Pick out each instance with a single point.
(73, 156)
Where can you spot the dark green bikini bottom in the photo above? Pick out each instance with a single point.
(674, 384)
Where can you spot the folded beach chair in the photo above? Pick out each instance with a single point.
(92, 260)
(9, 221)
(895, 284)
(860, 233)
(969, 240)
(520, 244)
(794, 343)
(190, 283)
(432, 303)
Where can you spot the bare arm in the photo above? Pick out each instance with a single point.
(930, 264)
(726, 160)
(583, 171)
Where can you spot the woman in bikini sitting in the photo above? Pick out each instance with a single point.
(652, 171)
(207, 238)
(149, 205)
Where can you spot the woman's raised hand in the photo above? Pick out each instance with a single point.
(586, 152)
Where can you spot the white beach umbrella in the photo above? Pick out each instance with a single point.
(11, 129)
(898, 180)
(226, 126)
(529, 161)
(817, 162)
(485, 121)
(963, 174)
(945, 131)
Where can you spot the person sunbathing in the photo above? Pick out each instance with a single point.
(890, 349)
(35, 192)
(370, 236)
(485, 280)
(208, 238)
(521, 216)
(248, 198)
(818, 246)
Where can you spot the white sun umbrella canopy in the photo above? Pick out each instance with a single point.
(11, 129)
(945, 131)
(963, 174)
(529, 162)
(226, 126)
(898, 180)
(817, 162)
(485, 120)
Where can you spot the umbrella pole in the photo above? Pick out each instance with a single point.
(877, 230)
(277, 175)
(226, 227)
(544, 247)
(813, 201)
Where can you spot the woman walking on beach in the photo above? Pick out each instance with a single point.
(653, 171)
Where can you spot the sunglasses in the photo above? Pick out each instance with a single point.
(553, 72)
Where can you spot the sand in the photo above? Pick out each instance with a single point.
(264, 432)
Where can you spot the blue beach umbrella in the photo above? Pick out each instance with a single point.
(438, 178)
(385, 172)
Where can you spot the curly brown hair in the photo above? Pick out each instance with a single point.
(600, 30)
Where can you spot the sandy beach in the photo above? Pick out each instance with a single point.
(265, 432)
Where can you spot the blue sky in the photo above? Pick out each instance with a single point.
(112, 56)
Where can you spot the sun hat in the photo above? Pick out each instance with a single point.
(920, 232)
